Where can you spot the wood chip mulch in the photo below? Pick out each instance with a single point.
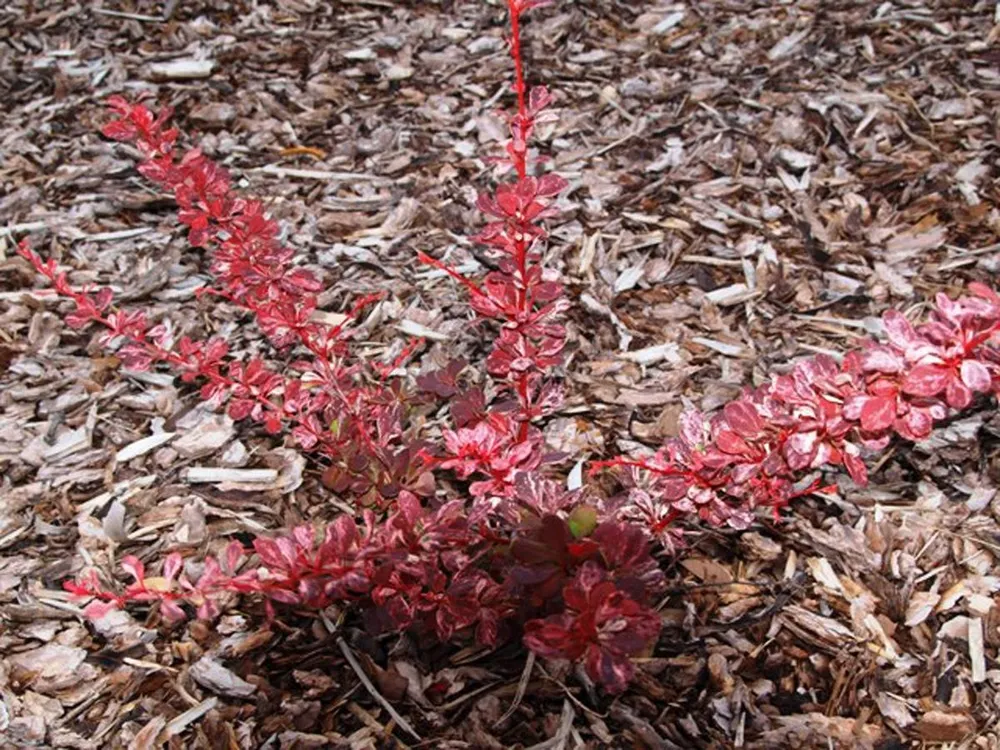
(752, 182)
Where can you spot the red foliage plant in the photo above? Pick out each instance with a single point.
(766, 447)
(502, 548)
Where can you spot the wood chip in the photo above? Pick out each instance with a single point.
(201, 474)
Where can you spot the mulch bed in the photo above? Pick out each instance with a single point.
(752, 182)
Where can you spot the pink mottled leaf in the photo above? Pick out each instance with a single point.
(882, 359)
(878, 413)
(926, 380)
(172, 611)
(743, 418)
(551, 184)
(898, 329)
(956, 394)
(97, 609)
(856, 468)
(976, 376)
(172, 565)
(134, 567)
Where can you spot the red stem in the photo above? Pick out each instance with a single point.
(520, 247)
(515, 53)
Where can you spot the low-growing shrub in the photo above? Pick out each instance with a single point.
(501, 549)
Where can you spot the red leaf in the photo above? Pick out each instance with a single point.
(134, 567)
(957, 395)
(729, 442)
(172, 566)
(898, 330)
(692, 428)
(926, 380)
(171, 611)
(98, 609)
(234, 553)
(882, 359)
(613, 671)
(856, 468)
(550, 638)
(551, 184)
(673, 488)
(507, 200)
(800, 449)
(269, 553)
(878, 413)
(743, 418)
(538, 98)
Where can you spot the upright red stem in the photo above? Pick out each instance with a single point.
(520, 164)
(515, 53)
(531, 337)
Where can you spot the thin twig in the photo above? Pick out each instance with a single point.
(522, 686)
(372, 690)
(123, 234)
(372, 723)
(558, 742)
(29, 226)
(130, 16)
(318, 174)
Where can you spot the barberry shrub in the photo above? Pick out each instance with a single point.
(768, 446)
(502, 549)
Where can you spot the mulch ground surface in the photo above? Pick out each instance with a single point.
(752, 182)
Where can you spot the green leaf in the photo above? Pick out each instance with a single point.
(582, 521)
